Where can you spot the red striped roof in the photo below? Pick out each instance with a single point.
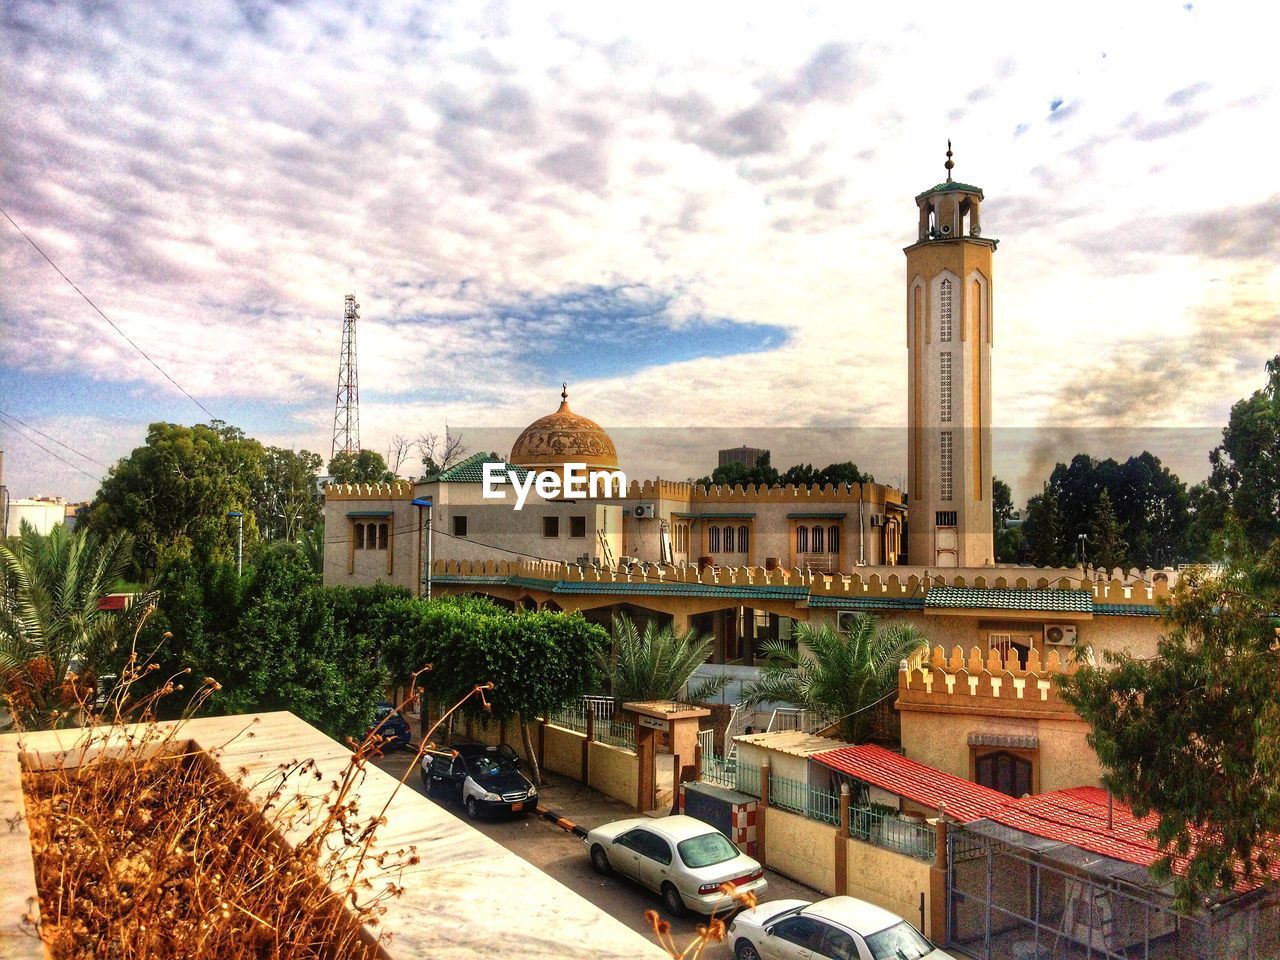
(965, 800)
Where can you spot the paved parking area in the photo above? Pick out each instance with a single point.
(562, 856)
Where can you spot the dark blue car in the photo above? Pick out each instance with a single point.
(394, 730)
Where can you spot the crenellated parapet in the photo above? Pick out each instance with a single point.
(395, 490)
(876, 493)
(988, 683)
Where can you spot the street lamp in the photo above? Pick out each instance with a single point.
(424, 572)
(239, 517)
(1081, 541)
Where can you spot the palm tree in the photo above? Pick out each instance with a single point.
(835, 675)
(51, 627)
(656, 664)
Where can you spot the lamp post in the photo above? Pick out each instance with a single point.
(424, 572)
(1081, 541)
(239, 517)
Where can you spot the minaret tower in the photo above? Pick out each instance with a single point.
(346, 416)
(949, 321)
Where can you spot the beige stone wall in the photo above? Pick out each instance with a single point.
(801, 849)
(1066, 759)
(782, 765)
(890, 880)
(613, 771)
(563, 752)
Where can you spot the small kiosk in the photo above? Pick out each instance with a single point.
(677, 725)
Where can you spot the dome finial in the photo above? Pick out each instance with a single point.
(949, 164)
(564, 390)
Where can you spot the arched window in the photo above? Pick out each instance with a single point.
(359, 536)
(1005, 772)
(728, 540)
(944, 309)
(833, 538)
(713, 539)
(802, 539)
(382, 535)
(744, 540)
(816, 539)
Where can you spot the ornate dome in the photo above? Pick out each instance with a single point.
(562, 437)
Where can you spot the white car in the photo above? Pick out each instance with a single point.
(838, 928)
(682, 858)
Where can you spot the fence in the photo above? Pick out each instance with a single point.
(820, 805)
(883, 827)
(594, 717)
(616, 733)
(731, 775)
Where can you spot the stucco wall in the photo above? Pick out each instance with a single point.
(801, 849)
(781, 764)
(563, 751)
(613, 771)
(890, 880)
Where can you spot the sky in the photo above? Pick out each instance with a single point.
(693, 213)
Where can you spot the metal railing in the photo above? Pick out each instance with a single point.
(797, 797)
(731, 775)
(616, 733)
(570, 718)
(574, 716)
(884, 828)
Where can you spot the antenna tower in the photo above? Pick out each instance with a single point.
(346, 418)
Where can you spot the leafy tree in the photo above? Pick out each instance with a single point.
(367, 466)
(1245, 474)
(802, 474)
(1106, 544)
(312, 544)
(655, 664)
(731, 474)
(1193, 735)
(1007, 539)
(288, 500)
(50, 621)
(1043, 532)
(837, 676)
(173, 494)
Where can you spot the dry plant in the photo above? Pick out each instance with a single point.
(713, 931)
(144, 849)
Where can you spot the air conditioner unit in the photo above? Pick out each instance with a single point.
(877, 519)
(644, 511)
(1060, 634)
(844, 620)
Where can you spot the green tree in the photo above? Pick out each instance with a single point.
(1106, 544)
(734, 474)
(1043, 533)
(288, 501)
(1193, 734)
(1007, 539)
(312, 544)
(839, 676)
(656, 663)
(367, 466)
(834, 473)
(173, 494)
(50, 620)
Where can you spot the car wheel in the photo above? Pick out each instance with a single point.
(672, 900)
(744, 949)
(473, 811)
(600, 860)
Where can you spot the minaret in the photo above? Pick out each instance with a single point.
(949, 320)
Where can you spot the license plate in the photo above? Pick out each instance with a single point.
(517, 807)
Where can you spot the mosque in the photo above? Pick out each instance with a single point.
(743, 565)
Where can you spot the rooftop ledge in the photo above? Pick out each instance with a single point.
(467, 894)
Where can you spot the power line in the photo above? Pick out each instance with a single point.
(51, 453)
(104, 316)
(54, 440)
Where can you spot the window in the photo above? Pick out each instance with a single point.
(706, 850)
(578, 527)
(383, 531)
(833, 538)
(1004, 772)
(459, 526)
(944, 518)
(551, 527)
(682, 537)
(744, 540)
(713, 539)
(816, 539)
(900, 940)
(802, 539)
(944, 380)
(804, 932)
(655, 848)
(839, 945)
(944, 464)
(359, 536)
(944, 307)
(729, 540)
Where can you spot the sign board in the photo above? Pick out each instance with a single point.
(654, 723)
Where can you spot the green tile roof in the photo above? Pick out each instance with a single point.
(714, 516)
(816, 516)
(633, 588)
(369, 513)
(471, 470)
(868, 603)
(1125, 610)
(948, 186)
(1054, 601)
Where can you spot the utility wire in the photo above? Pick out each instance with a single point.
(51, 453)
(104, 316)
(64, 446)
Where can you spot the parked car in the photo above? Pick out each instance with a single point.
(395, 730)
(838, 928)
(485, 780)
(679, 857)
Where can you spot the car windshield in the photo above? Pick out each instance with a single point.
(381, 713)
(490, 764)
(706, 850)
(900, 942)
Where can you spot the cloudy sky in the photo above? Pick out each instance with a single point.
(694, 213)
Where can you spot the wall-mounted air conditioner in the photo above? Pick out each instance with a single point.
(1060, 634)
(877, 519)
(644, 511)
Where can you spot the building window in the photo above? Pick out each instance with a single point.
(578, 527)
(944, 518)
(383, 529)
(682, 537)
(744, 540)
(359, 536)
(944, 381)
(816, 539)
(833, 538)
(459, 526)
(944, 305)
(802, 539)
(550, 527)
(1005, 772)
(730, 541)
(713, 539)
(944, 464)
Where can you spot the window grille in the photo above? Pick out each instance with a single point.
(944, 380)
(944, 305)
(944, 464)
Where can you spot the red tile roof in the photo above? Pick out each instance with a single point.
(965, 800)
(114, 601)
